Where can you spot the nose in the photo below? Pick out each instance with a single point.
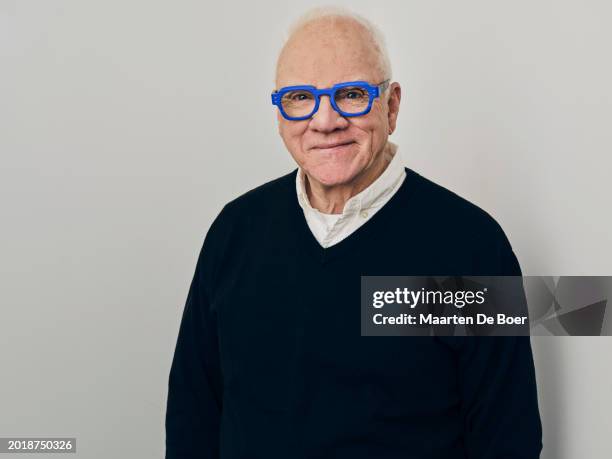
(326, 119)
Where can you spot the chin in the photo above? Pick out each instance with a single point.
(332, 176)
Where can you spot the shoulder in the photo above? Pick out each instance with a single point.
(252, 205)
(448, 210)
(237, 219)
(264, 196)
(458, 224)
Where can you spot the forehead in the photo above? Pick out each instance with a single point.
(327, 52)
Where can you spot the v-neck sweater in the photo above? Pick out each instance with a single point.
(270, 361)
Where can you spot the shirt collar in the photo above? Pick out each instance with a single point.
(367, 198)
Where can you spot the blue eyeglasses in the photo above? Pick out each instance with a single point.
(353, 98)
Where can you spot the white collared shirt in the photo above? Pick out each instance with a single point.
(329, 229)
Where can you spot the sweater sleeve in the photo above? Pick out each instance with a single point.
(498, 384)
(500, 407)
(195, 386)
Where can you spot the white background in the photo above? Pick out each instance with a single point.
(125, 126)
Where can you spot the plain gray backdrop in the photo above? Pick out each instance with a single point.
(126, 125)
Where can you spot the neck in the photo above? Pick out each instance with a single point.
(331, 199)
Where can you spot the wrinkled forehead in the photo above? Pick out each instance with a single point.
(329, 52)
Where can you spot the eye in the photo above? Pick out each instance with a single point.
(351, 94)
(297, 96)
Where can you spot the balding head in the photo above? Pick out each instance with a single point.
(332, 37)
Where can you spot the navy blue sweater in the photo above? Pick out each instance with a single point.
(270, 362)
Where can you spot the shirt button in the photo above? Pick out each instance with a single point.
(364, 214)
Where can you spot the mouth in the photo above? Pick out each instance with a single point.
(334, 146)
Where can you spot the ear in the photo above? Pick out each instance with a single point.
(395, 96)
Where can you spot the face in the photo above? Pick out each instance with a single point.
(331, 149)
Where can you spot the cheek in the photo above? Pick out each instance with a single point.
(374, 127)
(292, 135)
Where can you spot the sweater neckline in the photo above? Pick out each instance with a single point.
(351, 242)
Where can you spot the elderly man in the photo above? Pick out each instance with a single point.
(270, 361)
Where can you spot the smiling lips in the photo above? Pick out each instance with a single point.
(333, 146)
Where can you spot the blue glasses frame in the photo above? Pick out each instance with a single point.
(374, 91)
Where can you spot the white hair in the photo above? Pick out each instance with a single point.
(376, 35)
